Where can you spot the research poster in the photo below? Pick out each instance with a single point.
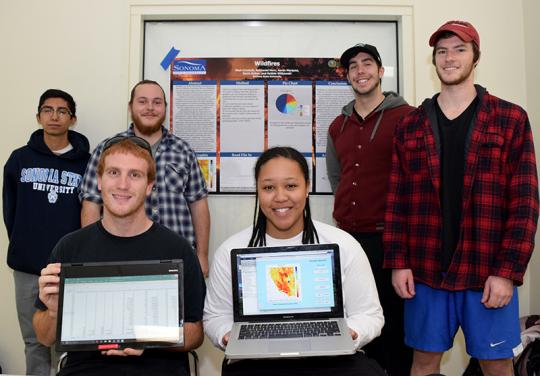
(231, 109)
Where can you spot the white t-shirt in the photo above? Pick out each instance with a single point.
(363, 311)
(64, 150)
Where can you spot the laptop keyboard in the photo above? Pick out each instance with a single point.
(289, 330)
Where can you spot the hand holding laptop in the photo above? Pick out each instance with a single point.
(120, 308)
(49, 287)
(124, 352)
(287, 301)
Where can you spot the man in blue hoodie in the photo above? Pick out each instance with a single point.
(40, 203)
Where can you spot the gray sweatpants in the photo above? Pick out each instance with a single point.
(38, 357)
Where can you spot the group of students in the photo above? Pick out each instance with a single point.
(437, 206)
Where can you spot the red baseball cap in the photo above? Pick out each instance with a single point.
(463, 29)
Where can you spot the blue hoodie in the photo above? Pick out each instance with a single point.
(40, 199)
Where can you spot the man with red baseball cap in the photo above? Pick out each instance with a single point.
(462, 29)
(461, 213)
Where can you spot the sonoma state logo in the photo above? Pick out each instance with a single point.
(189, 67)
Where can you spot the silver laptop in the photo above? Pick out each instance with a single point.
(288, 302)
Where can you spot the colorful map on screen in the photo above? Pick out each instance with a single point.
(285, 279)
(294, 282)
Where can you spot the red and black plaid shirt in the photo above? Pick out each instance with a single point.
(499, 201)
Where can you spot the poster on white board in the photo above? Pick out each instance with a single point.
(231, 109)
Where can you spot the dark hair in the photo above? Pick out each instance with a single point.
(258, 236)
(146, 82)
(56, 93)
(449, 34)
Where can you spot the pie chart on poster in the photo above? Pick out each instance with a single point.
(286, 103)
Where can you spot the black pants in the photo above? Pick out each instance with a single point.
(389, 350)
(345, 365)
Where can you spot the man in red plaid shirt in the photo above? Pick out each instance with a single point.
(461, 213)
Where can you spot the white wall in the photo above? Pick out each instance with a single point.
(89, 48)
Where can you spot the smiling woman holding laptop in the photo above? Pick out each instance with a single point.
(287, 279)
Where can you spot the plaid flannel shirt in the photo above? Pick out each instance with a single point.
(179, 182)
(499, 202)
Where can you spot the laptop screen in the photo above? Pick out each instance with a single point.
(287, 281)
(111, 305)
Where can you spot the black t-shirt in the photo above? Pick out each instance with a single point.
(94, 244)
(453, 135)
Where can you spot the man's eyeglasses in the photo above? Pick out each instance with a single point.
(134, 139)
(60, 111)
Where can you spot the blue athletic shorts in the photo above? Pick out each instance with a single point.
(433, 317)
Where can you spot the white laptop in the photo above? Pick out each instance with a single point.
(288, 302)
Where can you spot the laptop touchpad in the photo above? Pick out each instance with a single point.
(289, 346)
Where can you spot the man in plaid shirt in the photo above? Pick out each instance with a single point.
(461, 213)
(179, 197)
